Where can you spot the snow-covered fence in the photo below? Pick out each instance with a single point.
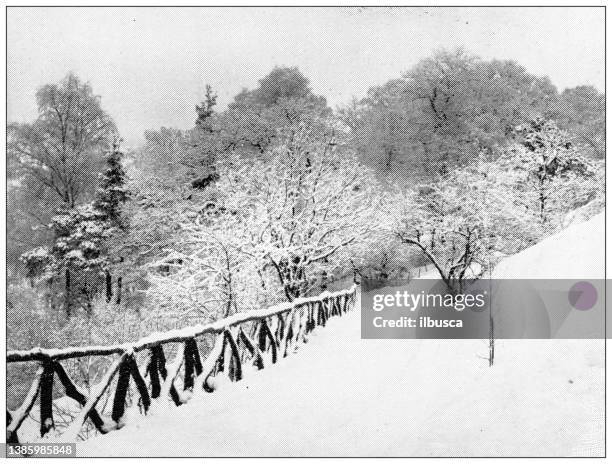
(255, 337)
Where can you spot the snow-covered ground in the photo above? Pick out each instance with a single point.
(574, 253)
(340, 395)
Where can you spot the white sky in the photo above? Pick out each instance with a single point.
(150, 65)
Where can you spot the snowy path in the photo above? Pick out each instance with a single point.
(343, 396)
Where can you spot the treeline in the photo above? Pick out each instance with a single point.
(452, 106)
(456, 163)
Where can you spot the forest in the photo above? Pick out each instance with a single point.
(454, 164)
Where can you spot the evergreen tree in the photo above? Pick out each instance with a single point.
(206, 109)
(76, 256)
(112, 194)
(110, 198)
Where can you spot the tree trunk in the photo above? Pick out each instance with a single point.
(109, 286)
(119, 286)
(67, 296)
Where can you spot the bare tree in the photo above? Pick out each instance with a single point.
(61, 148)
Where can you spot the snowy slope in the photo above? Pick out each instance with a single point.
(343, 396)
(574, 253)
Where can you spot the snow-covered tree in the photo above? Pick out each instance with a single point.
(204, 274)
(469, 218)
(550, 175)
(80, 254)
(303, 209)
(112, 192)
(465, 221)
(440, 220)
(111, 196)
(75, 256)
(277, 228)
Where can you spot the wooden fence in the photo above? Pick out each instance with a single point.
(255, 337)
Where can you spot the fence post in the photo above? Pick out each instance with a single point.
(251, 348)
(46, 398)
(235, 367)
(193, 363)
(141, 386)
(153, 371)
(123, 383)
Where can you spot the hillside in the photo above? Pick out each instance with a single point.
(573, 253)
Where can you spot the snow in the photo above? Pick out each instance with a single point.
(38, 252)
(583, 213)
(343, 396)
(340, 395)
(574, 253)
(29, 431)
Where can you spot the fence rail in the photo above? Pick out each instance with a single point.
(273, 332)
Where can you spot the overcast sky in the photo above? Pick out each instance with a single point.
(150, 65)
